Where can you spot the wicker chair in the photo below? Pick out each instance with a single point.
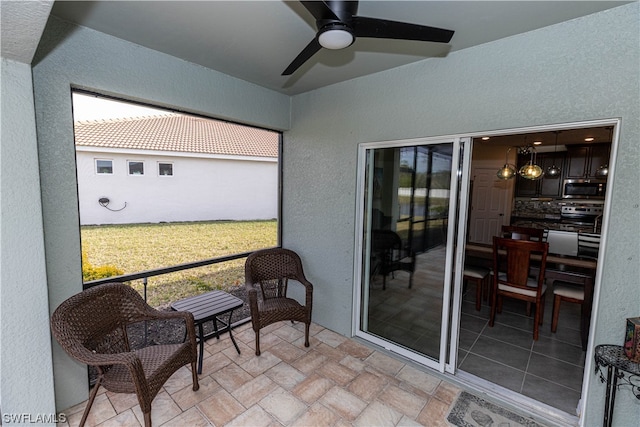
(96, 327)
(271, 271)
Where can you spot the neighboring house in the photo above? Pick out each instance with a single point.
(175, 168)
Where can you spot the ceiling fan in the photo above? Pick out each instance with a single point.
(338, 26)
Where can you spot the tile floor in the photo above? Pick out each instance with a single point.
(335, 382)
(549, 370)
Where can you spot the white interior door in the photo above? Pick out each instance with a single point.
(490, 203)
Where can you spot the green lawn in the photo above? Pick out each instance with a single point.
(140, 247)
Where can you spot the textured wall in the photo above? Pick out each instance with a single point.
(75, 56)
(580, 70)
(25, 362)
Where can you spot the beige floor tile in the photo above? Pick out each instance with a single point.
(285, 375)
(186, 398)
(312, 388)
(355, 349)
(338, 373)
(367, 386)
(286, 351)
(310, 362)
(192, 418)
(385, 363)
(220, 408)
(331, 352)
(403, 401)
(347, 405)
(288, 332)
(254, 390)
(408, 422)
(163, 408)
(330, 338)
(434, 414)
(179, 380)
(253, 417)
(214, 363)
(316, 415)
(259, 364)
(247, 352)
(353, 363)
(447, 392)
(122, 401)
(101, 410)
(419, 379)
(232, 377)
(284, 406)
(378, 414)
(125, 419)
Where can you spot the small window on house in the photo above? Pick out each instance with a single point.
(165, 169)
(104, 167)
(136, 168)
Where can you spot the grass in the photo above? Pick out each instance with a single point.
(138, 247)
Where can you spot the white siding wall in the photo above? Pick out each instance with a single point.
(200, 189)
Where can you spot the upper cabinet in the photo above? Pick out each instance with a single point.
(545, 186)
(584, 160)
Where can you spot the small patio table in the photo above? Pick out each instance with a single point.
(208, 307)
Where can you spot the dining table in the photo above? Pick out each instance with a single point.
(565, 268)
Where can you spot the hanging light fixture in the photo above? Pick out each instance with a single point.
(531, 170)
(553, 170)
(603, 170)
(507, 171)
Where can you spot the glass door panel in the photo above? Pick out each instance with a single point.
(408, 193)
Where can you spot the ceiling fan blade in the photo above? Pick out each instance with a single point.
(303, 56)
(384, 29)
(320, 10)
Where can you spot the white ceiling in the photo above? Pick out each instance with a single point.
(256, 40)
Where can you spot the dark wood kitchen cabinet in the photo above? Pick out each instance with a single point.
(584, 160)
(545, 186)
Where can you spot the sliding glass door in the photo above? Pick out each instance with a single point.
(408, 216)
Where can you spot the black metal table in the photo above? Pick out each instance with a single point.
(617, 363)
(208, 307)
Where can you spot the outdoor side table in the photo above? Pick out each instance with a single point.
(618, 364)
(208, 307)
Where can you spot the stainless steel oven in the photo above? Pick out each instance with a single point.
(584, 189)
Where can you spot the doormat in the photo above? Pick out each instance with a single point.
(471, 411)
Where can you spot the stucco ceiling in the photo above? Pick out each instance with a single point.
(256, 40)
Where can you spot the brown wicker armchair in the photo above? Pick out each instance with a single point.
(95, 327)
(270, 271)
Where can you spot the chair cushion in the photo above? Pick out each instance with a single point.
(569, 291)
(475, 272)
(531, 282)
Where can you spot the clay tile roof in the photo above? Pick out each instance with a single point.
(178, 132)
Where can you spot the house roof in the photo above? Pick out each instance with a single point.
(178, 133)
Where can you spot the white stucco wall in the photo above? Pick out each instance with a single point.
(201, 189)
(588, 68)
(26, 372)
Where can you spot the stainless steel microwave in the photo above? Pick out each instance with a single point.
(584, 188)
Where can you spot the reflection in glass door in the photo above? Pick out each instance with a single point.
(408, 193)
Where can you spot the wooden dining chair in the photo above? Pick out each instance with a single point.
(512, 260)
(480, 277)
(523, 233)
(588, 247)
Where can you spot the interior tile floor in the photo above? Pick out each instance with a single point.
(549, 370)
(335, 382)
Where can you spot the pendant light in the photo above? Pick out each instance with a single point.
(554, 171)
(603, 170)
(507, 171)
(531, 170)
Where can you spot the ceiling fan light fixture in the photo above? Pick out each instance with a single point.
(335, 36)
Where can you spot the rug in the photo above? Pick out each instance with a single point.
(471, 411)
